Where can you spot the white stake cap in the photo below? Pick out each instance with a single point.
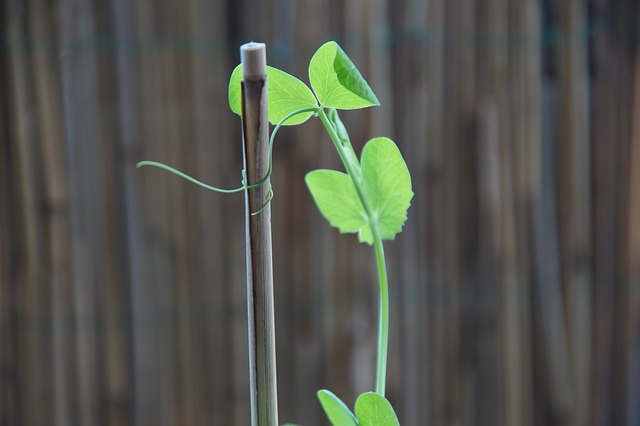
(254, 60)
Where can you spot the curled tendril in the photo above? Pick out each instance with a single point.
(266, 202)
(245, 185)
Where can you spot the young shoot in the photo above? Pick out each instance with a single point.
(371, 199)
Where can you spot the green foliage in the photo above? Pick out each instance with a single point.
(286, 95)
(337, 82)
(338, 201)
(371, 410)
(350, 158)
(374, 410)
(371, 199)
(336, 410)
(387, 186)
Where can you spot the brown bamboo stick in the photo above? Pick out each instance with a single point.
(412, 104)
(56, 197)
(495, 292)
(262, 355)
(30, 280)
(176, 337)
(80, 106)
(433, 381)
(301, 239)
(380, 69)
(510, 283)
(462, 135)
(212, 137)
(129, 403)
(490, 234)
(574, 197)
(525, 133)
(112, 293)
(142, 347)
(153, 302)
(183, 229)
(626, 39)
(633, 247)
(9, 383)
(517, 288)
(604, 115)
(553, 357)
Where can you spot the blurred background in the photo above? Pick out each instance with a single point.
(515, 288)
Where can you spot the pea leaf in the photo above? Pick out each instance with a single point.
(336, 410)
(337, 82)
(286, 94)
(387, 184)
(338, 202)
(387, 187)
(374, 410)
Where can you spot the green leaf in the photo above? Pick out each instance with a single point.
(387, 185)
(337, 82)
(338, 201)
(374, 410)
(336, 410)
(286, 94)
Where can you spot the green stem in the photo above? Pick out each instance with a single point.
(383, 323)
(383, 320)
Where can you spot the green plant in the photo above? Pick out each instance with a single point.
(370, 199)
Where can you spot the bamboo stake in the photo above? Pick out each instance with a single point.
(57, 225)
(255, 128)
(154, 345)
(633, 248)
(605, 140)
(435, 378)
(414, 357)
(209, 76)
(31, 280)
(528, 132)
(9, 384)
(574, 199)
(79, 79)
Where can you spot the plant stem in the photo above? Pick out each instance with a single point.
(383, 323)
(383, 319)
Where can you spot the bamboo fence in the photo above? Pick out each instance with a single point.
(515, 287)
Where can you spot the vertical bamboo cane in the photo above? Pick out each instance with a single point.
(633, 248)
(574, 199)
(255, 129)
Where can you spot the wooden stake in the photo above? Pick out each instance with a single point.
(255, 129)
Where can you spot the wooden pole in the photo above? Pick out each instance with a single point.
(255, 130)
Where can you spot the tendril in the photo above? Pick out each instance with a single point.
(266, 202)
(245, 184)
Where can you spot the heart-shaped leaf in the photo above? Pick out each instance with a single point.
(336, 410)
(286, 94)
(338, 201)
(387, 187)
(374, 410)
(337, 82)
(387, 184)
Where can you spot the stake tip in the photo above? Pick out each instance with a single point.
(253, 56)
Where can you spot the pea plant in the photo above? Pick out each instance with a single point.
(371, 199)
